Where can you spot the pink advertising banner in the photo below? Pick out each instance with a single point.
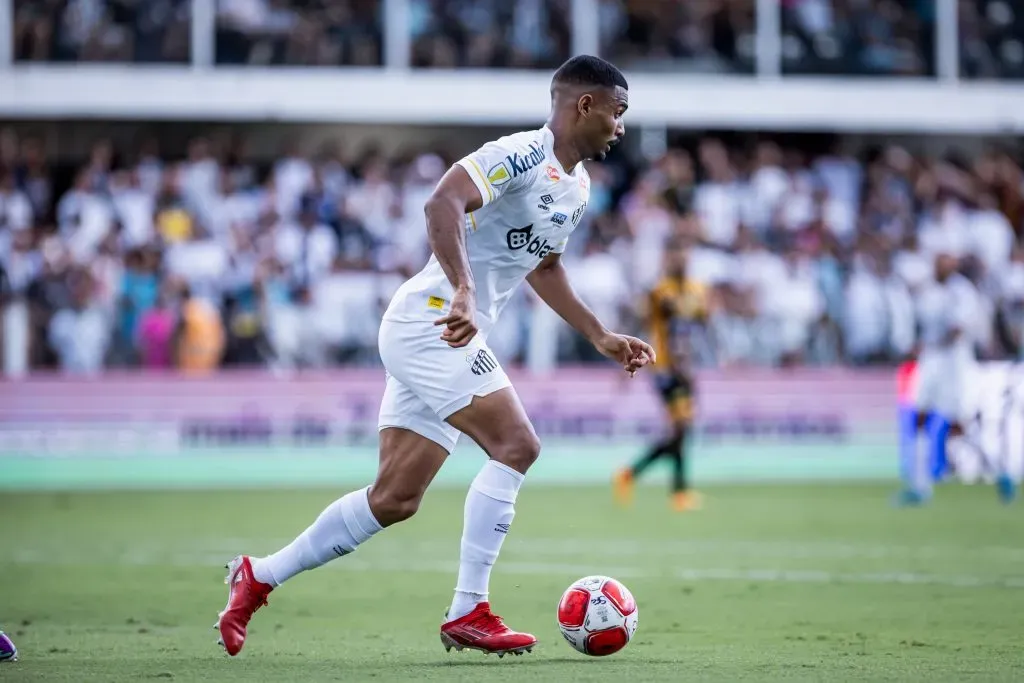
(128, 413)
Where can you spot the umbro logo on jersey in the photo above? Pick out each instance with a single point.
(483, 363)
(339, 551)
(503, 528)
(559, 219)
(546, 198)
(521, 163)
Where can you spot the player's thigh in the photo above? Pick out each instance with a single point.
(930, 380)
(498, 423)
(414, 444)
(677, 394)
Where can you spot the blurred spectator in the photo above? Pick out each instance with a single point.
(79, 331)
(991, 39)
(664, 35)
(199, 338)
(859, 37)
(102, 30)
(527, 34)
(813, 255)
(299, 32)
(155, 335)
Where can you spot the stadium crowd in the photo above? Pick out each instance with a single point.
(214, 259)
(855, 37)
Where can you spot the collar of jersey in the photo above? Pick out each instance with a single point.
(549, 142)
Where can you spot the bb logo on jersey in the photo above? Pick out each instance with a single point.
(517, 238)
(521, 163)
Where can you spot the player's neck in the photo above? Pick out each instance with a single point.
(565, 150)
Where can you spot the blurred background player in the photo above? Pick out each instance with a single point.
(945, 309)
(676, 308)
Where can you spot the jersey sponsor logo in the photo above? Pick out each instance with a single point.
(559, 219)
(498, 175)
(553, 174)
(482, 363)
(521, 163)
(546, 199)
(517, 238)
(436, 302)
(578, 214)
(502, 528)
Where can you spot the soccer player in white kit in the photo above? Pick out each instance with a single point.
(499, 216)
(945, 311)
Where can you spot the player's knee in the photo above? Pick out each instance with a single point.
(518, 452)
(390, 506)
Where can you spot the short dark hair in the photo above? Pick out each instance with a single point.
(590, 70)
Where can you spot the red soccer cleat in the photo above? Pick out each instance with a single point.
(245, 596)
(484, 631)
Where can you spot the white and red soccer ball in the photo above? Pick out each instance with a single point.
(597, 615)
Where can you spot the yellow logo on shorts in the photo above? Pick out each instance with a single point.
(436, 302)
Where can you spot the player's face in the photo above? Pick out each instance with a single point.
(604, 127)
(677, 262)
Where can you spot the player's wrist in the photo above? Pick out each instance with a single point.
(599, 335)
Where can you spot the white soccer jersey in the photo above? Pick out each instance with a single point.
(943, 307)
(530, 206)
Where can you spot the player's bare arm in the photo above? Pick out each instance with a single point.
(552, 285)
(446, 210)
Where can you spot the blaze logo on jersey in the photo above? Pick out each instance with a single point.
(553, 174)
(482, 363)
(517, 238)
(498, 175)
(522, 163)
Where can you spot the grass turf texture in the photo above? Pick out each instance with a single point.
(767, 583)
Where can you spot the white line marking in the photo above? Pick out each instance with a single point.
(140, 557)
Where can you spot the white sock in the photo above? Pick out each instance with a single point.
(490, 507)
(344, 525)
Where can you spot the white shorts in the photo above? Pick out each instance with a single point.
(427, 380)
(941, 382)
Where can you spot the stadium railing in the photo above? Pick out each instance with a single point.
(773, 97)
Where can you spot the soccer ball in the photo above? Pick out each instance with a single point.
(597, 615)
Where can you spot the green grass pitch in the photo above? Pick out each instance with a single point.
(808, 583)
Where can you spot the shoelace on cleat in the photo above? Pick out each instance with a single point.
(492, 618)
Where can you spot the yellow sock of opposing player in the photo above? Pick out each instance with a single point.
(490, 507)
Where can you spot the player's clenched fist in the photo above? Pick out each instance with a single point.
(460, 323)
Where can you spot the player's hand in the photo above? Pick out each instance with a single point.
(631, 352)
(460, 323)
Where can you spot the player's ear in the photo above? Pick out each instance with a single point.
(584, 104)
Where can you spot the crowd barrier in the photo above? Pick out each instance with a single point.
(257, 429)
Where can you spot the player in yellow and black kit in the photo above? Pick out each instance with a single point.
(675, 308)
